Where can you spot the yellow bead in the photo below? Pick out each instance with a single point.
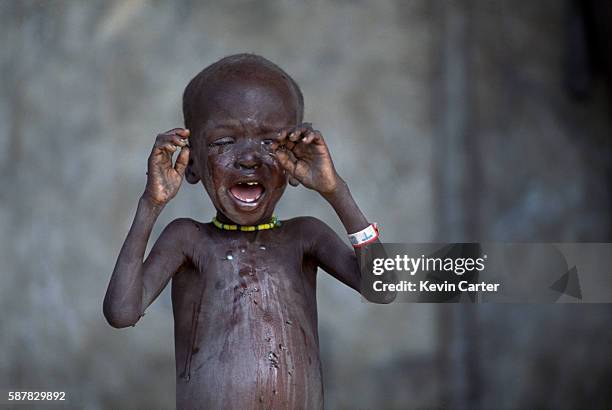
(274, 222)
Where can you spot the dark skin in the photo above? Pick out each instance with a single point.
(244, 302)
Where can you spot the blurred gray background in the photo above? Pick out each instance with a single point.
(450, 120)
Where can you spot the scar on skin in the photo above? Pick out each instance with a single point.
(247, 292)
(273, 359)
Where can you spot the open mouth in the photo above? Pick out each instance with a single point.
(247, 192)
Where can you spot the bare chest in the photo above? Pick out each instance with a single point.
(245, 315)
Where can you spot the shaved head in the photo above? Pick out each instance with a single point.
(241, 72)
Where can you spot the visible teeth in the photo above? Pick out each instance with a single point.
(252, 183)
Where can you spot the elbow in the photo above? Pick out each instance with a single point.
(381, 298)
(119, 318)
(119, 321)
(388, 298)
(389, 293)
(381, 292)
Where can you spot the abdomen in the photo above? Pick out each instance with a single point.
(251, 343)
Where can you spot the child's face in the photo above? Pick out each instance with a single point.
(240, 119)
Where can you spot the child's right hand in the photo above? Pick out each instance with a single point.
(164, 180)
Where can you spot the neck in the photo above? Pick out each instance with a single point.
(225, 220)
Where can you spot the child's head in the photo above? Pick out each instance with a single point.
(234, 109)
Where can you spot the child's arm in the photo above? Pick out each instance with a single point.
(304, 154)
(134, 284)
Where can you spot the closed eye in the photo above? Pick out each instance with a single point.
(221, 142)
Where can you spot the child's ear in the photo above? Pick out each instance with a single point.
(190, 175)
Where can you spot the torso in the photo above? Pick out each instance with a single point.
(246, 322)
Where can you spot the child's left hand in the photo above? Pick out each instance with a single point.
(302, 152)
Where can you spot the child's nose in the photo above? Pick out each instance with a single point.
(248, 158)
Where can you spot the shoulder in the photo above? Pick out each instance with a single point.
(312, 232)
(306, 224)
(182, 228)
(183, 224)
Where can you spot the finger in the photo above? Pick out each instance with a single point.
(311, 135)
(301, 149)
(303, 127)
(285, 161)
(164, 141)
(281, 137)
(162, 150)
(292, 156)
(282, 145)
(289, 136)
(318, 137)
(298, 132)
(169, 147)
(292, 133)
(304, 130)
(293, 181)
(183, 132)
(177, 140)
(295, 168)
(284, 133)
(307, 139)
(295, 135)
(181, 161)
(300, 169)
(161, 156)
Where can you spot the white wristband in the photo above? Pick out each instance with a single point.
(365, 236)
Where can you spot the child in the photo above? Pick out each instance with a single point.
(244, 286)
